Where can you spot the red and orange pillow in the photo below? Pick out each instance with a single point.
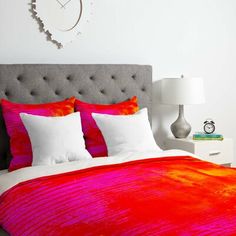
(94, 140)
(20, 144)
(19, 140)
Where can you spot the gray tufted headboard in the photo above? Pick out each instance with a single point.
(92, 83)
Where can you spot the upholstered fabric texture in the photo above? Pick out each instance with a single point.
(94, 139)
(106, 84)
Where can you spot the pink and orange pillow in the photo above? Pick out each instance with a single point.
(19, 140)
(94, 140)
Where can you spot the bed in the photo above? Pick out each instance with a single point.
(150, 193)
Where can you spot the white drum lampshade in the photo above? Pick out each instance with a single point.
(182, 91)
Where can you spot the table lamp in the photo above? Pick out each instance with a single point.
(182, 91)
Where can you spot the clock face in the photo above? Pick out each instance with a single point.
(64, 15)
(209, 128)
(62, 20)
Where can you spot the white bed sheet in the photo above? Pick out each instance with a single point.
(10, 179)
(3, 172)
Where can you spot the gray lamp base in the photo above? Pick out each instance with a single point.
(181, 128)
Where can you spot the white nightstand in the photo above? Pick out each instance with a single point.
(219, 152)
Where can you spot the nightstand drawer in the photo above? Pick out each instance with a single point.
(220, 152)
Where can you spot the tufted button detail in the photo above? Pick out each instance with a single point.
(113, 77)
(19, 78)
(92, 78)
(143, 89)
(123, 90)
(57, 92)
(102, 91)
(69, 78)
(7, 93)
(134, 77)
(80, 92)
(45, 78)
(32, 93)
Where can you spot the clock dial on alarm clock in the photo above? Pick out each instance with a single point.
(209, 126)
(62, 20)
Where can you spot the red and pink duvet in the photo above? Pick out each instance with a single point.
(177, 195)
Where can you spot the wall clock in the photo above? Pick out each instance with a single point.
(62, 20)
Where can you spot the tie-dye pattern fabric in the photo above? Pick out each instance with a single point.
(94, 140)
(20, 145)
(159, 196)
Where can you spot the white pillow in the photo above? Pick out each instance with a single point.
(126, 133)
(55, 139)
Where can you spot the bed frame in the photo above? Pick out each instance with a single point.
(92, 83)
(30, 83)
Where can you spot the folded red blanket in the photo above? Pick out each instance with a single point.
(160, 196)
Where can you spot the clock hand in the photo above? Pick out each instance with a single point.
(66, 3)
(60, 4)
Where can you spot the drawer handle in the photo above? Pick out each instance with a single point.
(214, 153)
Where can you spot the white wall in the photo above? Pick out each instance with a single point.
(190, 37)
